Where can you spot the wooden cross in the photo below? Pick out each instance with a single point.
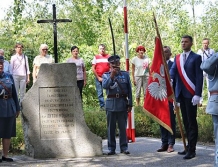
(54, 21)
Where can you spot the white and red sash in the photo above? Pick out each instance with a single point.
(186, 81)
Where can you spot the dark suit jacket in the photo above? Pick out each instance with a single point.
(170, 63)
(194, 73)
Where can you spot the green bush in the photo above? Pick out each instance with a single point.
(205, 126)
(97, 123)
(17, 142)
(144, 126)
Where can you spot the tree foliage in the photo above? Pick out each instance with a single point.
(90, 27)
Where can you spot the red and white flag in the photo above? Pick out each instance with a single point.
(159, 90)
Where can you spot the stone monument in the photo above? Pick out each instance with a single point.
(53, 119)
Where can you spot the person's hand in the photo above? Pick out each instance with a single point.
(134, 82)
(114, 71)
(129, 109)
(176, 104)
(84, 84)
(195, 100)
(100, 79)
(28, 81)
(17, 114)
(171, 82)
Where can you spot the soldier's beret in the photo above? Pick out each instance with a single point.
(113, 59)
(2, 59)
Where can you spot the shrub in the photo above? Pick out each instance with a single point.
(144, 126)
(205, 126)
(17, 142)
(97, 123)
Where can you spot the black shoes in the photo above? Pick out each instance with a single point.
(189, 155)
(7, 159)
(113, 152)
(110, 153)
(182, 152)
(125, 152)
(163, 148)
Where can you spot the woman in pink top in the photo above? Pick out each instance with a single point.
(81, 71)
(20, 71)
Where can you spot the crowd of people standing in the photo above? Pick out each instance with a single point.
(186, 74)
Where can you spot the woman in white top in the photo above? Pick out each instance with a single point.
(81, 70)
(140, 72)
(42, 58)
(20, 71)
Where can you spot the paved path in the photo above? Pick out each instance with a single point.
(143, 154)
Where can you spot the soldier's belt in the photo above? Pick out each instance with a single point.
(5, 96)
(214, 93)
(117, 96)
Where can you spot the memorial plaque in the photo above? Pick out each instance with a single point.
(53, 118)
(56, 122)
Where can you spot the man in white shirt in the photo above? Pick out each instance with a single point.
(6, 63)
(205, 53)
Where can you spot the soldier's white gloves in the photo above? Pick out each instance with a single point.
(195, 100)
(176, 104)
(171, 82)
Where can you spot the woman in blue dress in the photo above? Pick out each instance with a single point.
(9, 110)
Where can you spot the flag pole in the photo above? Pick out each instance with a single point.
(176, 108)
(126, 35)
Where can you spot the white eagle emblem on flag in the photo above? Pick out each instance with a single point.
(158, 90)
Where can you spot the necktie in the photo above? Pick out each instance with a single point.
(184, 58)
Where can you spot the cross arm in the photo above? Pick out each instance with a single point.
(63, 20)
(44, 21)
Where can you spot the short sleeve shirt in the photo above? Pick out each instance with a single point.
(79, 65)
(38, 60)
(141, 66)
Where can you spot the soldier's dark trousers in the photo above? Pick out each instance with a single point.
(121, 119)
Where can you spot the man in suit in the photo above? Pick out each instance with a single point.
(188, 79)
(168, 139)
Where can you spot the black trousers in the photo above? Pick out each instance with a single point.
(80, 84)
(189, 114)
(166, 137)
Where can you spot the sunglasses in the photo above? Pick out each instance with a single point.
(44, 49)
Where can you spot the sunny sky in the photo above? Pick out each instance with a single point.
(4, 6)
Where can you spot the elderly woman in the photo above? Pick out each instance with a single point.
(42, 58)
(9, 110)
(140, 72)
(81, 71)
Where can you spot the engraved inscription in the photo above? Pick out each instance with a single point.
(57, 120)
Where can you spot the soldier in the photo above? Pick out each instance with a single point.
(210, 67)
(6, 63)
(118, 103)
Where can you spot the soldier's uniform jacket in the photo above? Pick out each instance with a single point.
(119, 96)
(9, 104)
(210, 66)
